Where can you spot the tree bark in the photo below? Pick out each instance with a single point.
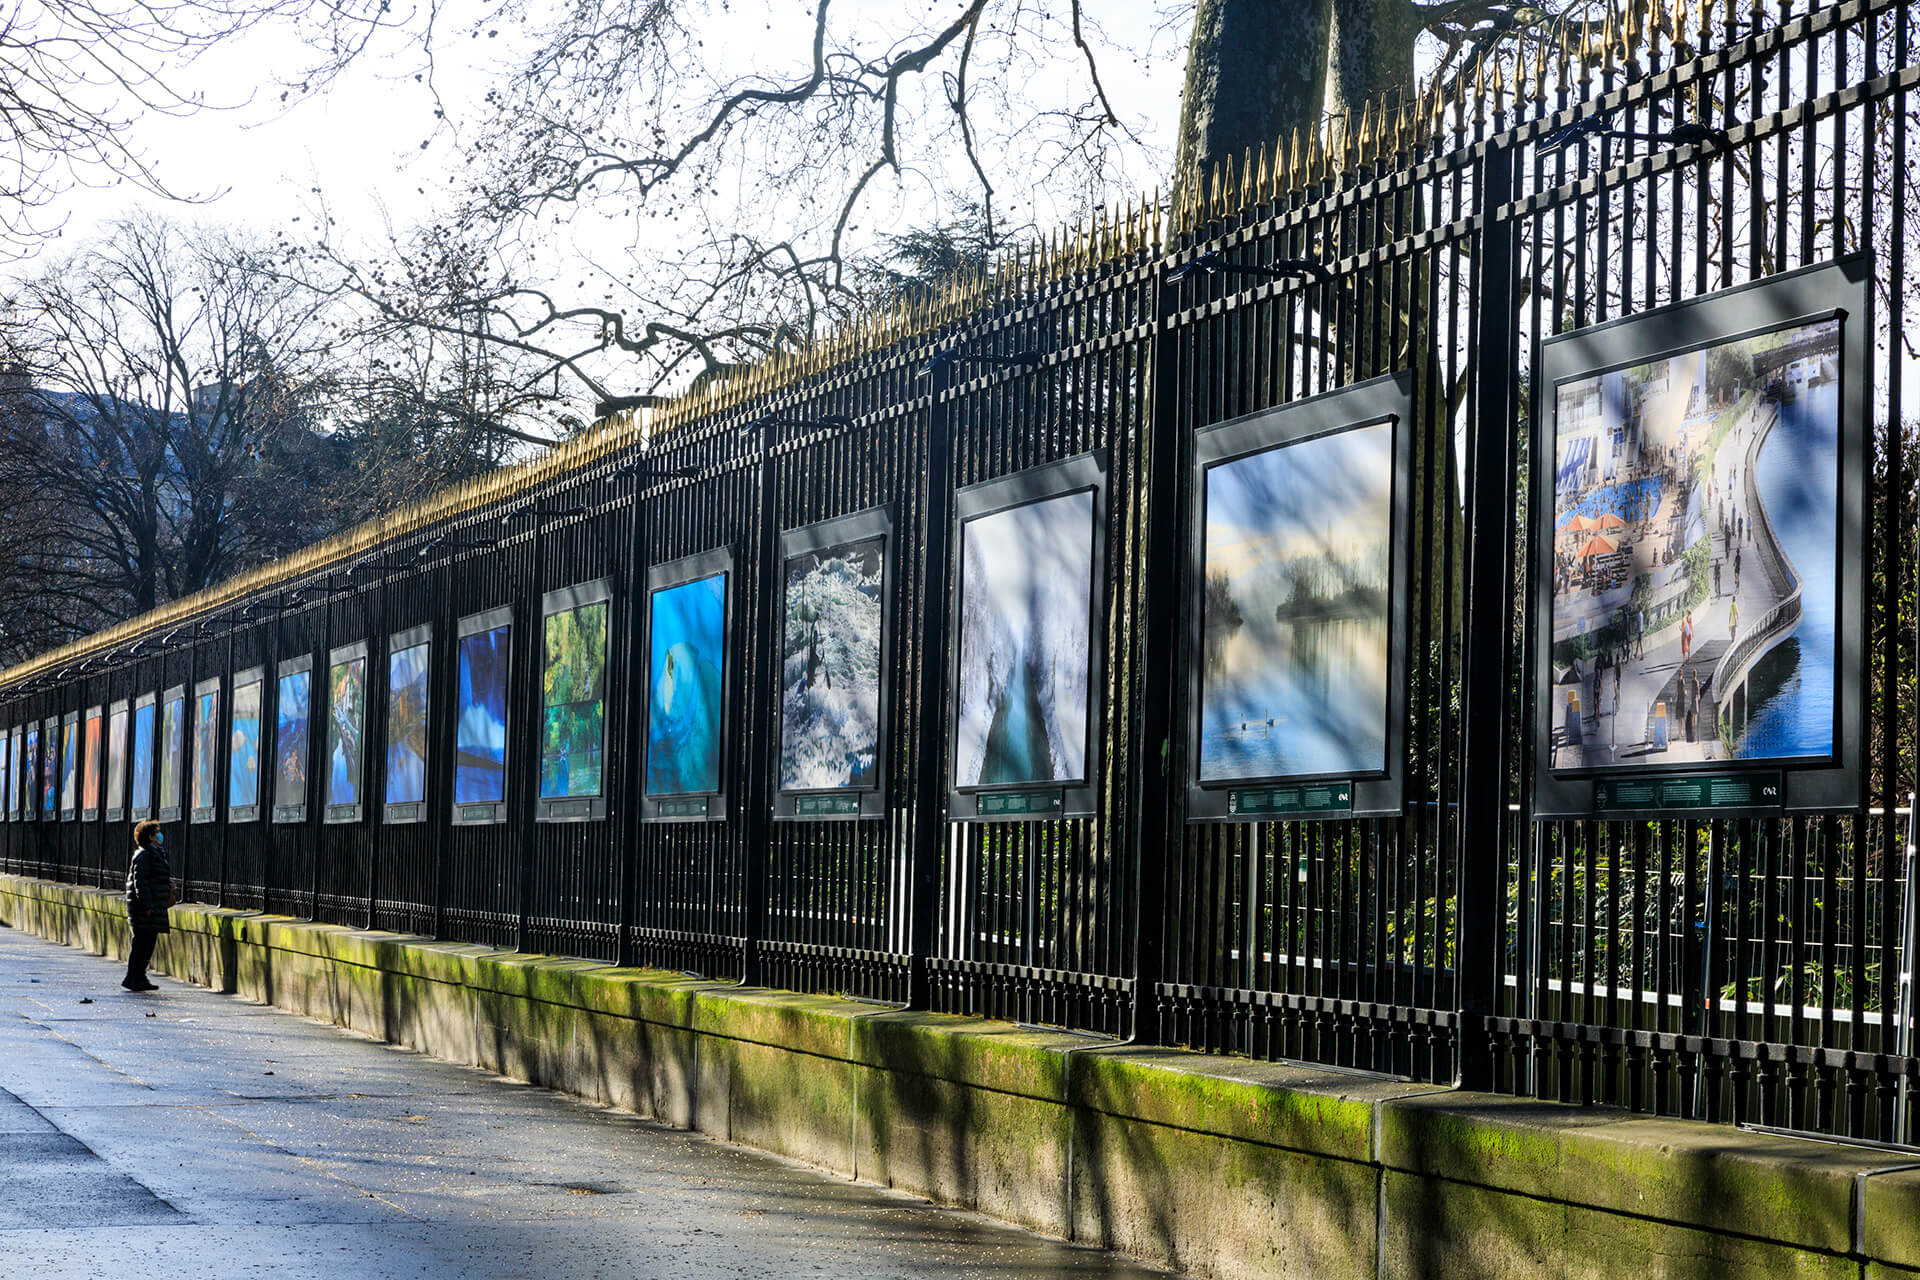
(1369, 53)
(1255, 72)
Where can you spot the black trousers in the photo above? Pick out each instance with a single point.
(141, 954)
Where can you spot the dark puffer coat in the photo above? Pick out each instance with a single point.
(149, 889)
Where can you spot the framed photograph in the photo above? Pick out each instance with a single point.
(1697, 588)
(482, 685)
(292, 738)
(7, 753)
(1028, 643)
(575, 625)
(30, 780)
(92, 734)
(346, 733)
(140, 757)
(173, 751)
(116, 781)
(204, 790)
(835, 639)
(70, 767)
(689, 688)
(409, 666)
(243, 746)
(1297, 612)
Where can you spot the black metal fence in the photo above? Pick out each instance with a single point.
(1742, 968)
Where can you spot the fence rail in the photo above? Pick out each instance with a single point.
(1737, 968)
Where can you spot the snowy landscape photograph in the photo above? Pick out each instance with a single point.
(573, 736)
(346, 720)
(686, 669)
(1294, 619)
(830, 667)
(290, 738)
(243, 747)
(407, 725)
(206, 748)
(1026, 631)
(480, 732)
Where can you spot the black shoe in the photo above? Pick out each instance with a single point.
(142, 985)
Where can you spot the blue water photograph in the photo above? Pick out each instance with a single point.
(243, 747)
(346, 729)
(140, 787)
(290, 710)
(1026, 636)
(117, 760)
(830, 667)
(1294, 618)
(407, 725)
(480, 731)
(1696, 521)
(686, 665)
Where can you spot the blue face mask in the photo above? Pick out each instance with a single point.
(159, 838)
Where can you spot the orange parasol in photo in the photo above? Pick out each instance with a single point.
(1596, 546)
(1609, 521)
(1578, 524)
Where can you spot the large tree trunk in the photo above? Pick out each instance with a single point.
(1369, 54)
(1256, 71)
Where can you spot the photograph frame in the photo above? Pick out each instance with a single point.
(489, 812)
(202, 814)
(286, 814)
(1837, 290)
(163, 811)
(404, 812)
(344, 814)
(1032, 801)
(869, 800)
(150, 703)
(688, 806)
(252, 676)
(32, 778)
(576, 808)
(50, 769)
(93, 746)
(7, 751)
(119, 711)
(68, 774)
(1383, 400)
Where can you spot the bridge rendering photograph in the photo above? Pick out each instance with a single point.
(1696, 502)
(836, 639)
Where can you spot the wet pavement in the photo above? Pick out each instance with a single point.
(186, 1133)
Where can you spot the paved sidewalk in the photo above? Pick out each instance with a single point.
(191, 1134)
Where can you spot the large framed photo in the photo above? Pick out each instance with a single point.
(834, 642)
(243, 746)
(1297, 613)
(30, 767)
(292, 733)
(204, 789)
(689, 685)
(92, 735)
(575, 625)
(409, 664)
(7, 754)
(70, 767)
(116, 781)
(345, 777)
(1028, 652)
(1699, 528)
(173, 751)
(140, 761)
(484, 649)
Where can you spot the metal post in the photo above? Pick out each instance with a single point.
(223, 770)
(524, 815)
(1487, 643)
(626, 801)
(929, 799)
(1157, 801)
(1909, 945)
(762, 705)
(441, 713)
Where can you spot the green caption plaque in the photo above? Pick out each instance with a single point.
(825, 806)
(694, 808)
(1020, 803)
(1314, 800)
(1707, 791)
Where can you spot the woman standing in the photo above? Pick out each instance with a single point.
(149, 894)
